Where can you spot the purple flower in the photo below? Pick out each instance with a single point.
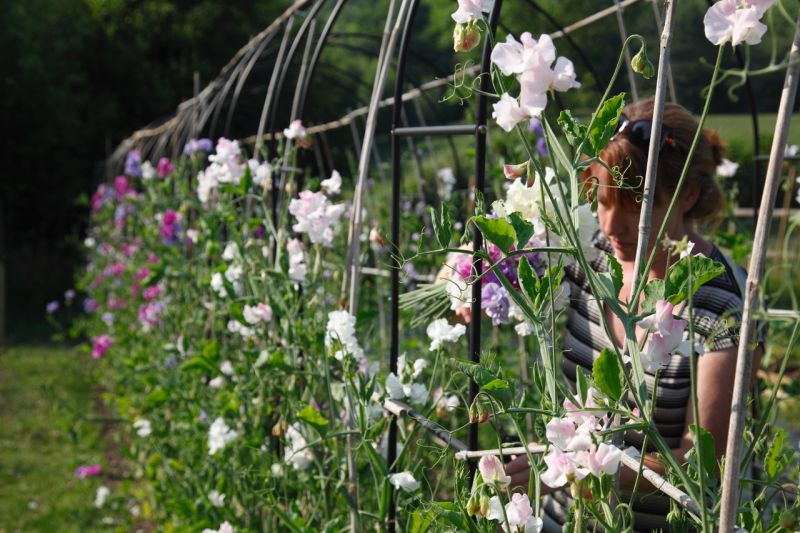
(195, 145)
(151, 293)
(89, 305)
(69, 295)
(535, 127)
(85, 471)
(495, 302)
(150, 314)
(170, 227)
(133, 164)
(108, 318)
(164, 167)
(52, 307)
(541, 147)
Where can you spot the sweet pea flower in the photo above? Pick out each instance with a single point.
(165, 167)
(132, 163)
(315, 216)
(260, 312)
(604, 459)
(216, 499)
(492, 471)
(101, 496)
(736, 21)
(84, 471)
(148, 172)
(297, 260)
(333, 185)
(515, 171)
(262, 173)
(507, 112)
(404, 480)
(296, 130)
(297, 451)
(219, 436)
(727, 169)
(197, 145)
(224, 527)
(446, 181)
(100, 345)
(518, 511)
(469, 10)
(52, 307)
(440, 331)
(340, 333)
(560, 469)
(143, 427)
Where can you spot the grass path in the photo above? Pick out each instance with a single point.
(48, 427)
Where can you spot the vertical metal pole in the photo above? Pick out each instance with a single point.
(397, 176)
(477, 240)
(741, 385)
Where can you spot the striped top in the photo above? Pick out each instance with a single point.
(717, 315)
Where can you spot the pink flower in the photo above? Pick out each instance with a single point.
(492, 471)
(667, 337)
(604, 459)
(100, 346)
(153, 259)
(736, 21)
(560, 431)
(121, 187)
(164, 167)
(85, 471)
(315, 216)
(515, 171)
(260, 312)
(142, 273)
(151, 292)
(115, 269)
(469, 10)
(518, 510)
(560, 469)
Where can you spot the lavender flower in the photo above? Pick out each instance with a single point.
(133, 164)
(52, 307)
(195, 145)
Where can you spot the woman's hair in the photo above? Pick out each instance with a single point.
(631, 160)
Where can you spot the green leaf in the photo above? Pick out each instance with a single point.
(311, 416)
(528, 280)
(653, 292)
(497, 231)
(573, 130)
(451, 514)
(247, 180)
(558, 151)
(211, 350)
(582, 384)
(442, 225)
(475, 371)
(607, 373)
(604, 124)
(198, 362)
(500, 390)
(676, 286)
(615, 269)
(522, 228)
(708, 456)
(775, 461)
(421, 520)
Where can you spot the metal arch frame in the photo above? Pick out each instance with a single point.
(479, 131)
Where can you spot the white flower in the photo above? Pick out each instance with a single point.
(686, 252)
(219, 436)
(297, 453)
(507, 112)
(447, 181)
(89, 242)
(193, 235)
(587, 227)
(727, 169)
(440, 331)
(206, 183)
(419, 366)
(404, 481)
(260, 312)
(340, 332)
(333, 185)
(262, 173)
(216, 498)
(148, 172)
(736, 21)
(263, 357)
(296, 130)
(564, 77)
(231, 252)
(143, 427)
(101, 496)
(227, 368)
(458, 291)
(234, 273)
(224, 527)
(226, 164)
(276, 469)
(791, 150)
(417, 393)
(218, 285)
(217, 383)
(471, 10)
(297, 260)
(394, 387)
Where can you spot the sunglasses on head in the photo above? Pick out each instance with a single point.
(638, 132)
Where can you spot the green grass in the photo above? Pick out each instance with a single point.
(738, 128)
(46, 403)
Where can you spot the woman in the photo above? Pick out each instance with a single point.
(714, 303)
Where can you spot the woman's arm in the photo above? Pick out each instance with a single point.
(715, 376)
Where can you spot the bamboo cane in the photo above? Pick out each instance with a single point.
(730, 479)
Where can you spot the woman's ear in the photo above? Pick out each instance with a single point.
(689, 197)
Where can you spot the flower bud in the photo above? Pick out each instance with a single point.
(516, 171)
(466, 36)
(474, 505)
(641, 64)
(483, 417)
(484, 504)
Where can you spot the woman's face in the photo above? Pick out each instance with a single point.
(619, 221)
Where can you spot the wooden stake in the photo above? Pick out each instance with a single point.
(730, 479)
